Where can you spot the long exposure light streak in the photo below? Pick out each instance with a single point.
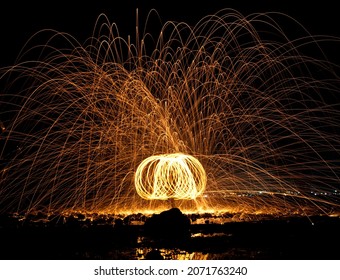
(241, 100)
(170, 176)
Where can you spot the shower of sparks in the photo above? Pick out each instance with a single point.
(229, 114)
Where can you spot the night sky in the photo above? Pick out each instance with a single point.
(20, 20)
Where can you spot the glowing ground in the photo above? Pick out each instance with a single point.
(99, 237)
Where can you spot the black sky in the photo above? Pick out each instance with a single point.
(21, 19)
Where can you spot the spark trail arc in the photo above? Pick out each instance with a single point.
(230, 113)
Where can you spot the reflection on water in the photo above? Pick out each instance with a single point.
(175, 254)
(178, 254)
(147, 246)
(214, 234)
(286, 238)
(172, 254)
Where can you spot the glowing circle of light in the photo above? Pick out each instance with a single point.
(170, 176)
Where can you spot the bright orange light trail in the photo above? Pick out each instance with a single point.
(229, 114)
(169, 176)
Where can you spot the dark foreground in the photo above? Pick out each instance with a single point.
(315, 237)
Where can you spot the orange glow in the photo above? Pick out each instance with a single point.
(228, 114)
(168, 176)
